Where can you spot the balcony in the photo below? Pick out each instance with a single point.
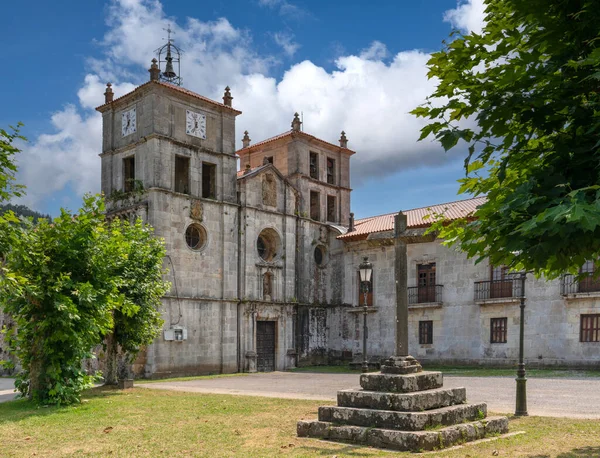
(425, 296)
(507, 290)
(571, 286)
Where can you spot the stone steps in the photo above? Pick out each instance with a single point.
(405, 421)
(403, 408)
(404, 440)
(406, 402)
(402, 383)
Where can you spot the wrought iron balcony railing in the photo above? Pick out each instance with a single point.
(425, 294)
(497, 289)
(571, 285)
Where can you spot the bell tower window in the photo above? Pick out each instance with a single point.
(182, 174)
(209, 180)
(314, 166)
(315, 206)
(129, 174)
(331, 213)
(330, 171)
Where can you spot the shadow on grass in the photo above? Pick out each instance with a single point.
(582, 452)
(21, 409)
(346, 450)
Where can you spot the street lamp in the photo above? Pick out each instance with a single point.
(521, 407)
(366, 269)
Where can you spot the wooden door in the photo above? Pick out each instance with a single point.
(265, 346)
(426, 282)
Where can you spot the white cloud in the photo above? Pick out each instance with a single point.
(469, 16)
(284, 8)
(366, 96)
(287, 43)
(377, 51)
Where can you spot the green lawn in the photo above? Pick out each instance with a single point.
(468, 371)
(154, 423)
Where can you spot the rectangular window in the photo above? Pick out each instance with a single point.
(426, 282)
(425, 332)
(361, 293)
(315, 206)
(129, 174)
(268, 160)
(590, 328)
(314, 166)
(330, 171)
(331, 209)
(590, 282)
(498, 330)
(209, 180)
(182, 174)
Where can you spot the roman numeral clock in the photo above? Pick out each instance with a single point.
(195, 124)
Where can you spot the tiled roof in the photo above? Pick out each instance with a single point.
(290, 133)
(415, 218)
(252, 171)
(178, 89)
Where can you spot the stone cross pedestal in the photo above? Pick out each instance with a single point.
(403, 408)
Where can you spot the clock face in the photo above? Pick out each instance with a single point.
(195, 124)
(128, 122)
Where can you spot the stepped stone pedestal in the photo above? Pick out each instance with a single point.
(403, 408)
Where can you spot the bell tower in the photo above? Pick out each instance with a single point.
(168, 156)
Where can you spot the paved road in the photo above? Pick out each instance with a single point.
(7, 387)
(560, 397)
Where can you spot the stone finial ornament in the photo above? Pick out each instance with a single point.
(351, 223)
(108, 94)
(154, 71)
(246, 140)
(227, 97)
(296, 123)
(343, 140)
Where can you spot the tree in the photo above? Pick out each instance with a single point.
(61, 301)
(70, 283)
(8, 168)
(133, 256)
(524, 96)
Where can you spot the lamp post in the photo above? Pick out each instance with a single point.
(366, 269)
(521, 407)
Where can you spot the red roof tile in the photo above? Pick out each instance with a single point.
(291, 133)
(415, 218)
(178, 89)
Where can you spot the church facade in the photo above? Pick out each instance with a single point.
(263, 260)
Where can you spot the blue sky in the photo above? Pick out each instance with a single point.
(346, 65)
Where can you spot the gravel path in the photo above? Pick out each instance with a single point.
(7, 389)
(560, 397)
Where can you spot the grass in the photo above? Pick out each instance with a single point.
(153, 423)
(469, 371)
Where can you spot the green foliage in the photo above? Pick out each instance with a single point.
(24, 211)
(133, 256)
(523, 97)
(8, 169)
(117, 194)
(68, 284)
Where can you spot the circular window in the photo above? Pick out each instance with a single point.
(319, 255)
(268, 244)
(195, 236)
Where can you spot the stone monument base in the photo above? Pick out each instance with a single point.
(403, 408)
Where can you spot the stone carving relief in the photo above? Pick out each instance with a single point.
(269, 190)
(196, 210)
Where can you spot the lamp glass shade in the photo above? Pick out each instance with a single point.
(365, 269)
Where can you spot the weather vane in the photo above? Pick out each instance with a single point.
(168, 56)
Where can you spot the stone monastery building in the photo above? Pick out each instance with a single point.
(264, 261)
